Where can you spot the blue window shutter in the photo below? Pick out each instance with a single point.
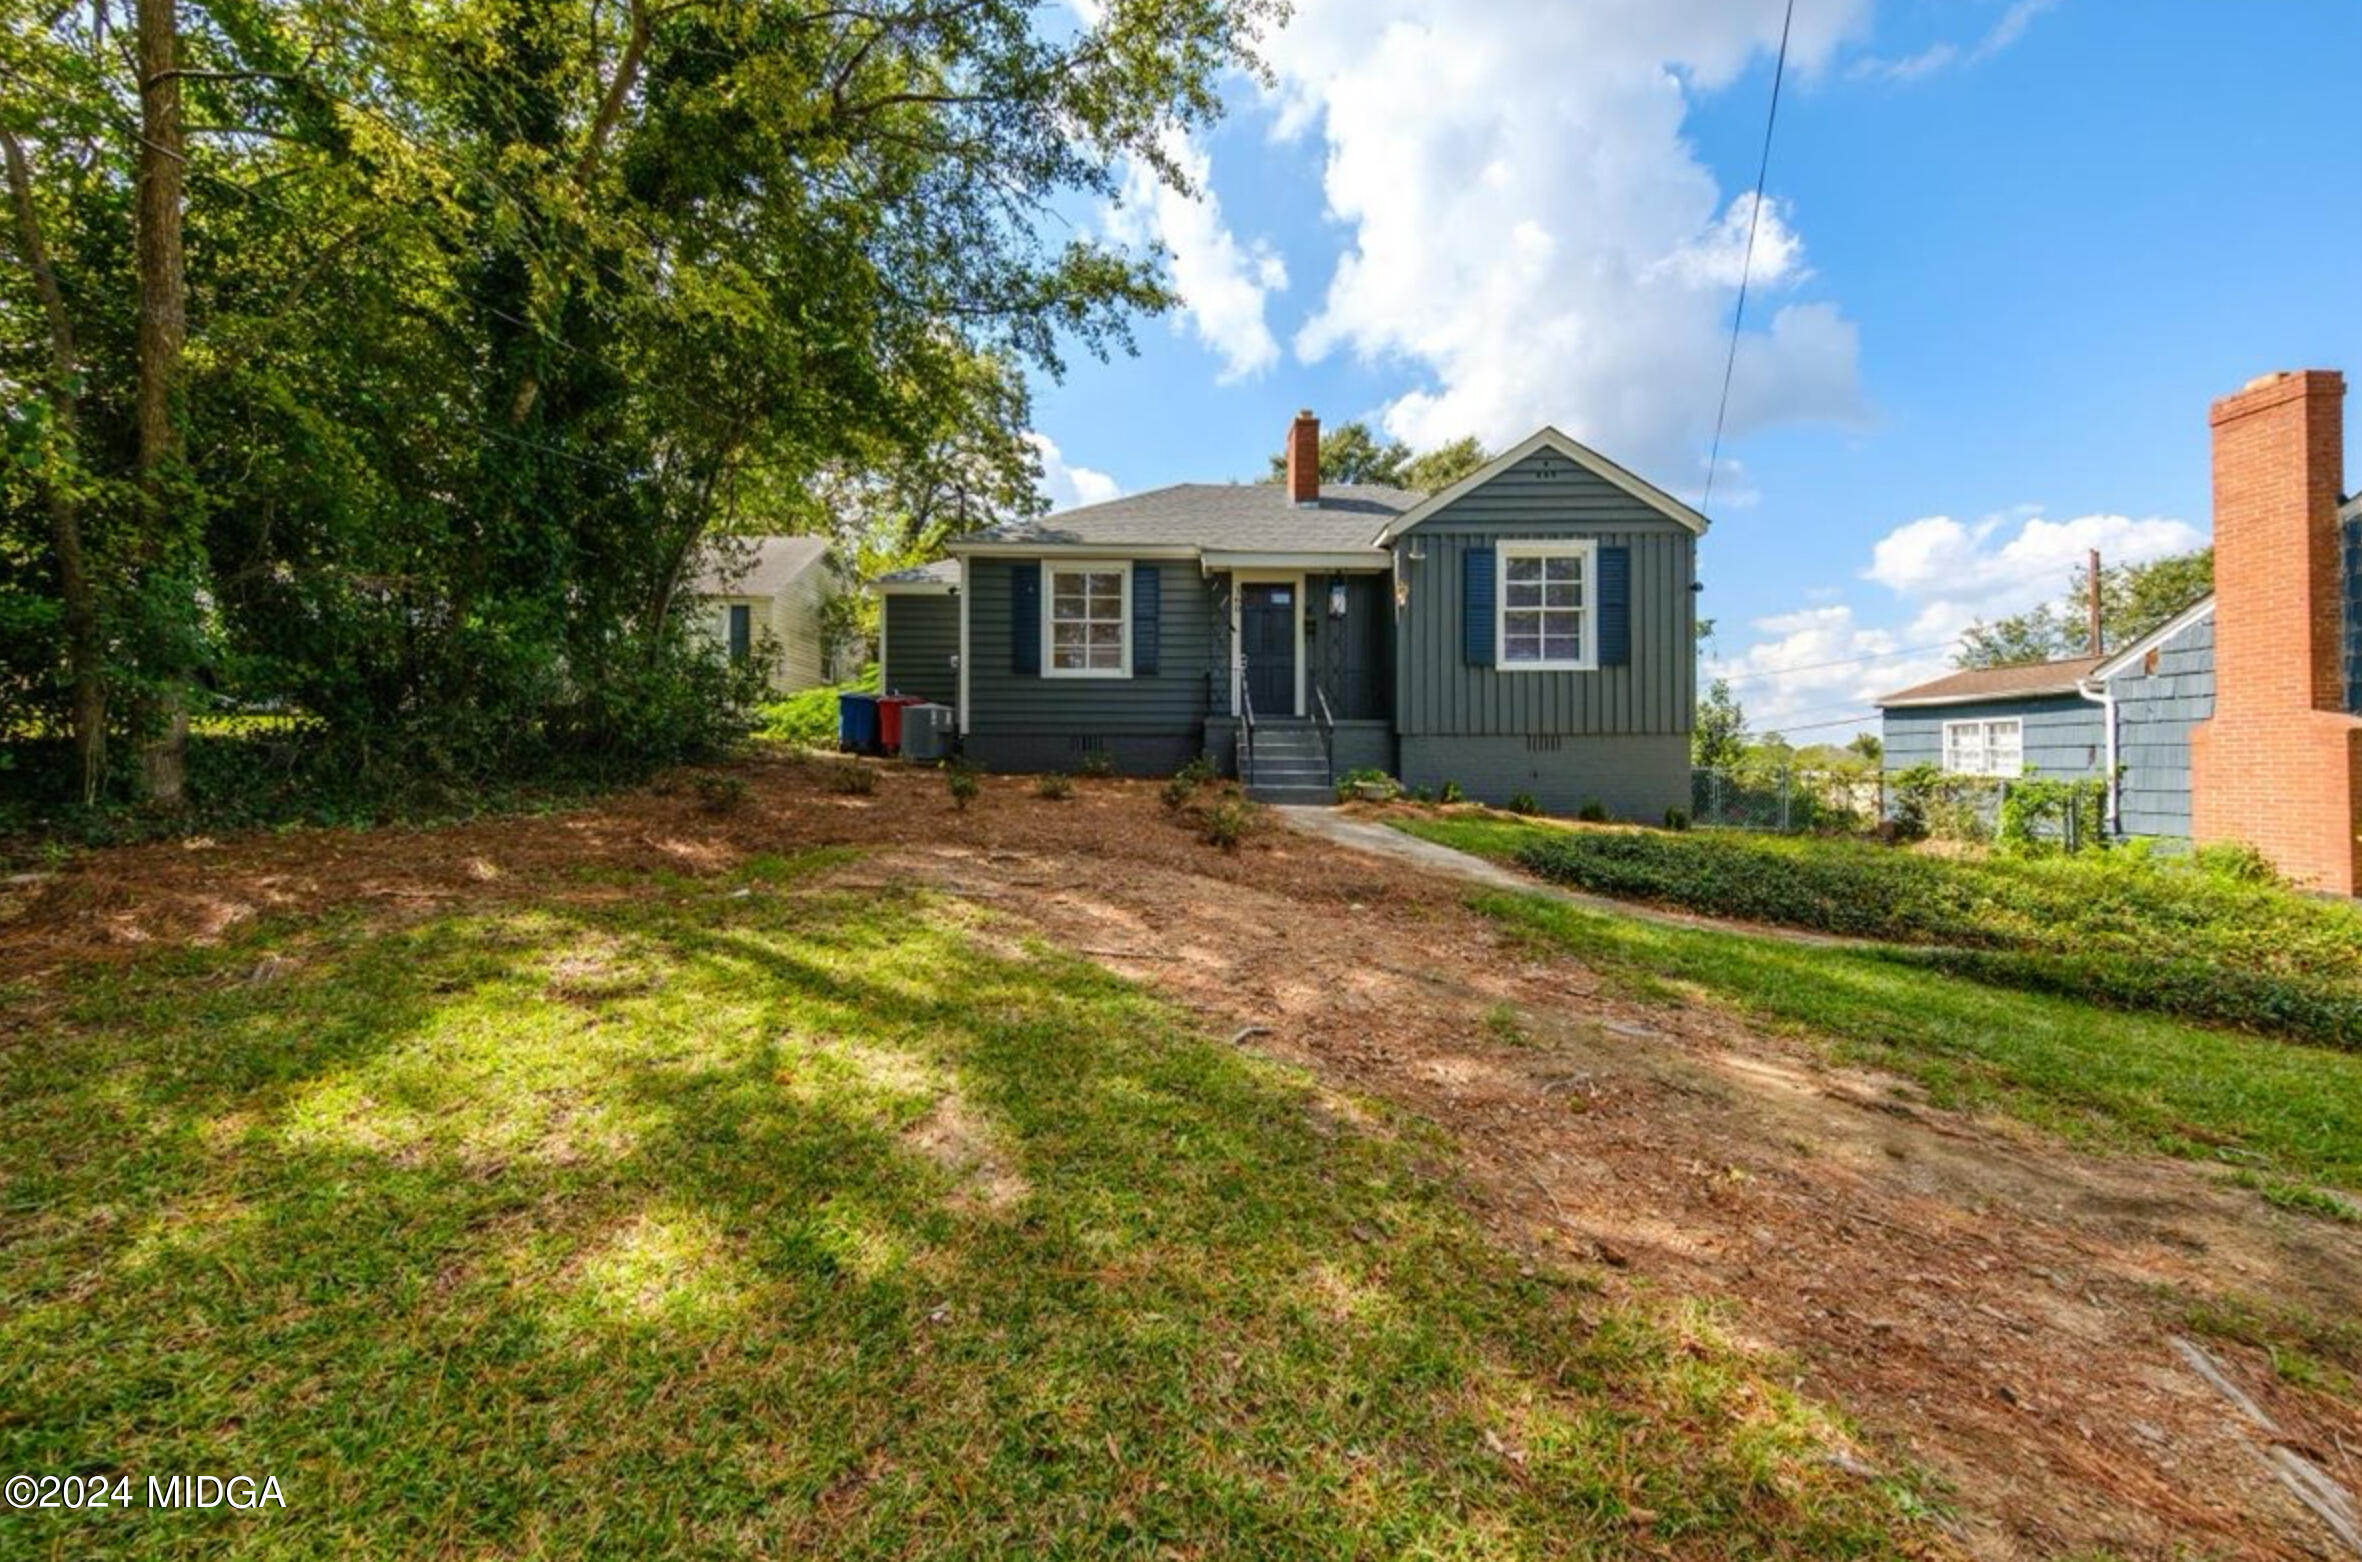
(1476, 606)
(1615, 607)
(1025, 618)
(1148, 599)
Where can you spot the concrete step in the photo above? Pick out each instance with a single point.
(1292, 796)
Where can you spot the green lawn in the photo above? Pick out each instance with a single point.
(714, 1217)
(2276, 1110)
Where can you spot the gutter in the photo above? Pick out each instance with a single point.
(2105, 698)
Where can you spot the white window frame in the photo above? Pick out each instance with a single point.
(1588, 551)
(1985, 727)
(1051, 570)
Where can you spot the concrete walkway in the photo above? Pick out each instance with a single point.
(1384, 841)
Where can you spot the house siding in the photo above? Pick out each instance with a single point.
(922, 635)
(2066, 735)
(801, 661)
(1634, 776)
(2154, 715)
(1147, 725)
(1547, 497)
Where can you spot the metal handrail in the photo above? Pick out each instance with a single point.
(1328, 730)
(1246, 711)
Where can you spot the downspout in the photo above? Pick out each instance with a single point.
(2105, 699)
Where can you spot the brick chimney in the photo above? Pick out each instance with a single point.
(1304, 459)
(2280, 765)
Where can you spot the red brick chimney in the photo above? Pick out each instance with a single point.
(1304, 459)
(2280, 767)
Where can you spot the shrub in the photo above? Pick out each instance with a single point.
(1523, 803)
(1593, 811)
(963, 783)
(809, 718)
(1229, 821)
(1097, 763)
(2040, 816)
(852, 777)
(719, 794)
(2235, 861)
(1677, 818)
(1451, 793)
(1182, 785)
(2116, 928)
(1054, 786)
(1351, 784)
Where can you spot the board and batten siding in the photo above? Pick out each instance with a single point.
(1546, 497)
(922, 634)
(1148, 724)
(2065, 735)
(2154, 714)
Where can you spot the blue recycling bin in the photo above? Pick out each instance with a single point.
(857, 722)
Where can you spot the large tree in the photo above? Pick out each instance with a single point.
(1354, 453)
(494, 312)
(2134, 599)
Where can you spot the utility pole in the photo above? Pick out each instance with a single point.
(2097, 648)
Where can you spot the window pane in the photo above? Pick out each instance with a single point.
(1563, 594)
(1523, 570)
(1108, 658)
(1108, 634)
(1524, 593)
(1104, 583)
(1561, 648)
(1066, 607)
(1565, 567)
(1063, 635)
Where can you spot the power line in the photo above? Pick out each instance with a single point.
(1747, 261)
(1851, 661)
(1842, 721)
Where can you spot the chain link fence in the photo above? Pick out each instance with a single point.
(1793, 801)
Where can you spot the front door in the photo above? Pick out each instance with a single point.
(1267, 634)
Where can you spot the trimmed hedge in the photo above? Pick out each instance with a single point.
(2120, 929)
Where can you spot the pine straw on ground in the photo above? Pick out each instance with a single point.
(1982, 1298)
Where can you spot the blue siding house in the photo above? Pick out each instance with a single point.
(1527, 630)
(2125, 716)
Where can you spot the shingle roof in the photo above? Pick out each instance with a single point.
(755, 566)
(1998, 683)
(1242, 516)
(943, 572)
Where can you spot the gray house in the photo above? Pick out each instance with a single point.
(2127, 716)
(1527, 630)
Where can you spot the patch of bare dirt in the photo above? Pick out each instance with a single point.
(1984, 1300)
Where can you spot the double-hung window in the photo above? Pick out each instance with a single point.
(1548, 619)
(1088, 620)
(1985, 748)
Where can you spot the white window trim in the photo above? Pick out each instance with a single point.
(1051, 570)
(1588, 551)
(1985, 726)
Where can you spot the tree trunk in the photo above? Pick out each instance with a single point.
(163, 326)
(83, 651)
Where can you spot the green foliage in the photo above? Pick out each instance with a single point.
(1677, 818)
(1450, 792)
(2132, 932)
(1591, 811)
(500, 316)
(963, 784)
(851, 778)
(1354, 783)
(2041, 816)
(1229, 820)
(1183, 784)
(720, 792)
(2134, 599)
(1718, 736)
(808, 718)
(1054, 787)
(1097, 764)
(1352, 453)
(2236, 861)
(1524, 803)
(1923, 802)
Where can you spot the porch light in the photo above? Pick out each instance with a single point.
(1337, 597)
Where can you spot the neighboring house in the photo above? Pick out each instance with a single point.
(2236, 719)
(768, 596)
(1527, 630)
(919, 632)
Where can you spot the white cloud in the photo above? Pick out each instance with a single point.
(1941, 575)
(1223, 284)
(1530, 230)
(2007, 30)
(1067, 485)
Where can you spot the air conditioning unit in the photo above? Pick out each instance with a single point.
(927, 731)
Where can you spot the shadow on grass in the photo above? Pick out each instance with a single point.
(654, 1228)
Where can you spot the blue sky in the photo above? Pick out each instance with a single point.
(2011, 251)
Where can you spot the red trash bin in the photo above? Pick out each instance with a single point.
(890, 720)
